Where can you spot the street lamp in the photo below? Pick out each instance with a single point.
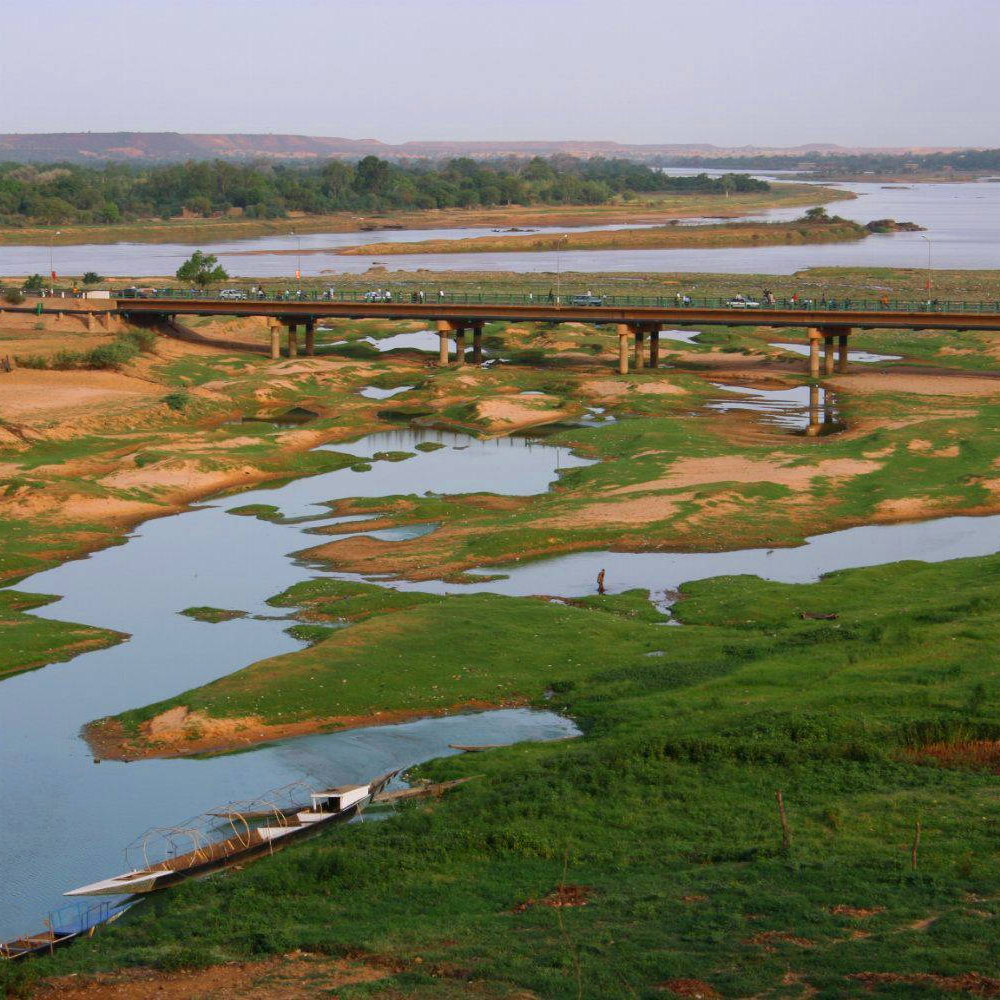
(52, 268)
(298, 256)
(928, 240)
(559, 245)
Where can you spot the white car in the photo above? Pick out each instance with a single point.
(232, 293)
(742, 302)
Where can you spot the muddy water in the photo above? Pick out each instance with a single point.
(64, 819)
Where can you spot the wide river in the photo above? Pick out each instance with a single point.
(65, 819)
(960, 219)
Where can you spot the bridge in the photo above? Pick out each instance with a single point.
(828, 324)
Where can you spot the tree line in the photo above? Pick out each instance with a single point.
(55, 194)
(977, 160)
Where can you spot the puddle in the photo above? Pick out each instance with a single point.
(374, 392)
(803, 409)
(295, 417)
(864, 357)
(681, 336)
(421, 340)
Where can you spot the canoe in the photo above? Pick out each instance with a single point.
(246, 842)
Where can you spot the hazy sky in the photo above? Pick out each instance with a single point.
(731, 72)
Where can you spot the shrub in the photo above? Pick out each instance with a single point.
(189, 957)
(91, 278)
(34, 284)
(14, 296)
(176, 400)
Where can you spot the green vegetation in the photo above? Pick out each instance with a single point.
(664, 813)
(28, 642)
(114, 354)
(204, 613)
(201, 269)
(63, 193)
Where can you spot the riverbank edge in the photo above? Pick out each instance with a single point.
(107, 739)
(224, 229)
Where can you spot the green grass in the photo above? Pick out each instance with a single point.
(212, 615)
(665, 810)
(27, 642)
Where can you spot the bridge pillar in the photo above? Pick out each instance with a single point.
(654, 348)
(444, 329)
(311, 337)
(275, 340)
(293, 340)
(814, 338)
(842, 351)
(828, 354)
(640, 348)
(815, 427)
(460, 345)
(623, 332)
(477, 344)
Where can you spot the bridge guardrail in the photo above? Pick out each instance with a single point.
(624, 301)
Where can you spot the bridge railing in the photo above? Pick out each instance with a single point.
(571, 299)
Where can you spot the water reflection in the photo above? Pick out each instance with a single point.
(803, 409)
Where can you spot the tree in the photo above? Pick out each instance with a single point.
(92, 278)
(372, 176)
(35, 283)
(201, 269)
(817, 214)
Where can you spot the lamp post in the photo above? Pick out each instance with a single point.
(928, 241)
(559, 245)
(52, 268)
(298, 255)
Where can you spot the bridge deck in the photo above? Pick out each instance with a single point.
(478, 312)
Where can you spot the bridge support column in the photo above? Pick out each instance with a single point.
(293, 340)
(828, 354)
(275, 341)
(842, 351)
(311, 338)
(814, 339)
(444, 329)
(654, 348)
(623, 332)
(815, 427)
(460, 345)
(477, 344)
(640, 348)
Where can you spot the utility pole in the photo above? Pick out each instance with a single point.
(559, 245)
(928, 240)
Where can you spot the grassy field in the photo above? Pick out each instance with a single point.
(650, 208)
(664, 815)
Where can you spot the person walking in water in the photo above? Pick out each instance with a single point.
(600, 582)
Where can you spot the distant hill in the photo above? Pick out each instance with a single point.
(166, 147)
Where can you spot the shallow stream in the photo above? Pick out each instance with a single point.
(65, 820)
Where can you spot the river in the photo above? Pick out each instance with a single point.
(65, 820)
(960, 220)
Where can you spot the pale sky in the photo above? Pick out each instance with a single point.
(730, 72)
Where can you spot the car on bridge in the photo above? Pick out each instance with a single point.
(587, 300)
(742, 302)
(232, 293)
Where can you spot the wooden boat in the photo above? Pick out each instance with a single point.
(247, 842)
(62, 927)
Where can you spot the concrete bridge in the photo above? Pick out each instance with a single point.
(829, 328)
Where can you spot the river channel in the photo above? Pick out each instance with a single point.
(65, 819)
(960, 220)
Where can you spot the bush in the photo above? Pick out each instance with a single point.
(177, 400)
(14, 296)
(91, 278)
(35, 283)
